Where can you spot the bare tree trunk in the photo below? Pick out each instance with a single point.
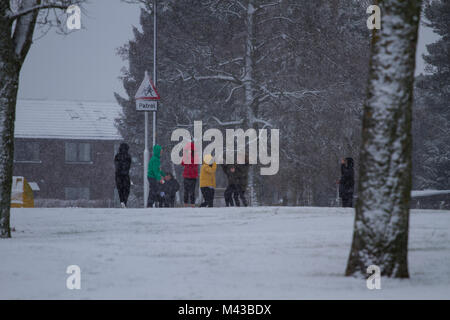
(382, 212)
(9, 81)
(252, 186)
(249, 55)
(14, 47)
(15, 44)
(248, 81)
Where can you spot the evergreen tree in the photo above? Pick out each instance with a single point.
(181, 39)
(258, 64)
(432, 112)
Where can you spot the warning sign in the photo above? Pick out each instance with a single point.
(146, 97)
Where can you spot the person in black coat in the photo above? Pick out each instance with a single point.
(242, 181)
(347, 182)
(232, 189)
(169, 190)
(122, 163)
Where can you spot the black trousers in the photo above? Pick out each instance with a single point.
(123, 187)
(208, 196)
(167, 201)
(241, 193)
(189, 190)
(228, 195)
(234, 191)
(347, 201)
(153, 194)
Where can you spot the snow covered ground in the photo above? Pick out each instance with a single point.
(237, 253)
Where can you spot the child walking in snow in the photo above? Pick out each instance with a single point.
(169, 191)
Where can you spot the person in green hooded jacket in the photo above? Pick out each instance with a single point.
(155, 176)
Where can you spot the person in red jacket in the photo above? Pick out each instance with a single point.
(190, 174)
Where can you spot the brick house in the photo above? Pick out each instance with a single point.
(67, 148)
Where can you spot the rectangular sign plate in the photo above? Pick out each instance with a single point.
(146, 105)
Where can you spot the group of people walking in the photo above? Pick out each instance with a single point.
(163, 187)
(237, 176)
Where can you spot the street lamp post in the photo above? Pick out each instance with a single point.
(154, 66)
(146, 151)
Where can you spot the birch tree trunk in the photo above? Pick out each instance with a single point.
(382, 212)
(9, 81)
(250, 102)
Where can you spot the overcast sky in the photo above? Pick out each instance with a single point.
(84, 64)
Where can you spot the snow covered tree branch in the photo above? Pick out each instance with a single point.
(221, 77)
(47, 5)
(247, 74)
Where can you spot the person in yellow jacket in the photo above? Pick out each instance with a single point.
(208, 180)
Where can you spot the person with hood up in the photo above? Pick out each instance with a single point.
(190, 173)
(347, 182)
(122, 164)
(155, 176)
(208, 180)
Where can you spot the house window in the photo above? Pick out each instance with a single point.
(78, 152)
(77, 193)
(26, 151)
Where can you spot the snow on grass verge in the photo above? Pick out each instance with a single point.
(218, 253)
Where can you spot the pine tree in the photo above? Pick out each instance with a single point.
(306, 79)
(432, 118)
(181, 39)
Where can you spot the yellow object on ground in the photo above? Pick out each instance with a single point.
(21, 193)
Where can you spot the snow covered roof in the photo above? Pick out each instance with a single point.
(66, 120)
(425, 193)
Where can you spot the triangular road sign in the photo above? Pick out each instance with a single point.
(147, 90)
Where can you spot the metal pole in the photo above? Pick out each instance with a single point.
(146, 159)
(154, 66)
(337, 187)
(146, 152)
